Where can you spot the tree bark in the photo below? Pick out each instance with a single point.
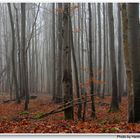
(13, 54)
(24, 55)
(53, 45)
(120, 58)
(134, 47)
(67, 72)
(76, 74)
(93, 115)
(99, 51)
(59, 62)
(114, 102)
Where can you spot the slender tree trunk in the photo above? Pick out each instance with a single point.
(105, 48)
(24, 55)
(108, 76)
(36, 60)
(120, 60)
(114, 103)
(93, 115)
(76, 74)
(78, 47)
(13, 54)
(59, 63)
(82, 44)
(53, 45)
(19, 49)
(99, 50)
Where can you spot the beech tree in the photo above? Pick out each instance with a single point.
(93, 115)
(67, 71)
(59, 61)
(53, 53)
(133, 50)
(13, 54)
(24, 65)
(114, 103)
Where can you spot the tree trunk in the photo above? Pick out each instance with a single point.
(93, 115)
(105, 48)
(13, 54)
(120, 60)
(99, 50)
(67, 72)
(53, 53)
(134, 47)
(114, 103)
(59, 62)
(76, 74)
(24, 55)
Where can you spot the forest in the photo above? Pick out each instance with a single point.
(69, 67)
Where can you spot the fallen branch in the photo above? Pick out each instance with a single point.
(67, 105)
(60, 109)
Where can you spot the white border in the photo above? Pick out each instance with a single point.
(71, 1)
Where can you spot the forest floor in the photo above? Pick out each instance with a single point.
(14, 120)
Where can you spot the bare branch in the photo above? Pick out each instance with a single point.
(28, 43)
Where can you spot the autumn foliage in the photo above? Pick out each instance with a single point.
(14, 120)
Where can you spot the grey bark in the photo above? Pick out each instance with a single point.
(93, 115)
(67, 75)
(99, 50)
(53, 53)
(13, 54)
(120, 59)
(114, 102)
(59, 62)
(133, 39)
(24, 55)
